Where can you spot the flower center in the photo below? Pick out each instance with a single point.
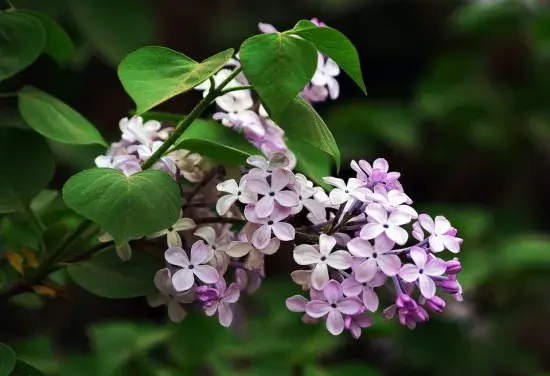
(323, 258)
(170, 229)
(364, 284)
(239, 193)
(272, 194)
(421, 271)
(300, 197)
(270, 222)
(333, 305)
(386, 226)
(346, 191)
(191, 266)
(374, 255)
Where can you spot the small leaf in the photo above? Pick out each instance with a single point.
(115, 28)
(335, 45)
(7, 360)
(55, 120)
(213, 140)
(127, 207)
(107, 276)
(58, 44)
(312, 162)
(302, 123)
(278, 66)
(152, 75)
(26, 166)
(22, 39)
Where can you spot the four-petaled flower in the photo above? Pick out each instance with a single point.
(422, 271)
(392, 200)
(227, 296)
(335, 306)
(236, 192)
(305, 194)
(272, 192)
(283, 231)
(352, 287)
(172, 237)
(439, 239)
(380, 223)
(264, 167)
(371, 258)
(377, 173)
(168, 295)
(216, 245)
(306, 254)
(343, 192)
(324, 75)
(184, 278)
(255, 259)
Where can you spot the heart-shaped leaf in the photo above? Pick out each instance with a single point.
(335, 45)
(55, 120)
(7, 360)
(152, 75)
(302, 123)
(107, 276)
(213, 140)
(279, 66)
(26, 166)
(22, 39)
(127, 207)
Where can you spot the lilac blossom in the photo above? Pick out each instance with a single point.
(236, 192)
(439, 238)
(392, 200)
(377, 173)
(226, 296)
(354, 323)
(272, 192)
(172, 237)
(334, 307)
(127, 164)
(184, 278)
(352, 287)
(216, 245)
(423, 271)
(264, 167)
(306, 254)
(306, 198)
(297, 303)
(370, 258)
(255, 257)
(380, 223)
(169, 296)
(327, 69)
(343, 192)
(135, 130)
(283, 231)
(249, 280)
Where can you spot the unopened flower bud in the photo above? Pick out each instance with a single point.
(436, 304)
(453, 266)
(450, 286)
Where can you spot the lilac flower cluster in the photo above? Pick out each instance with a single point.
(347, 241)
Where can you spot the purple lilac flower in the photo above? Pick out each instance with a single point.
(343, 192)
(381, 223)
(423, 271)
(377, 173)
(272, 192)
(439, 239)
(236, 192)
(352, 287)
(169, 296)
(262, 236)
(371, 258)
(354, 323)
(227, 296)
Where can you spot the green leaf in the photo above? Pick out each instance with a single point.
(152, 75)
(302, 123)
(58, 44)
(117, 343)
(311, 162)
(26, 166)
(37, 352)
(7, 360)
(335, 45)
(278, 66)
(115, 28)
(107, 276)
(127, 207)
(22, 39)
(25, 369)
(213, 140)
(79, 157)
(163, 117)
(55, 120)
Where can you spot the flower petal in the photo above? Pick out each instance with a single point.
(248, 197)
(229, 186)
(451, 243)
(265, 206)
(272, 247)
(333, 292)
(224, 203)
(397, 234)
(326, 244)
(279, 213)
(335, 322)
(427, 286)
(371, 230)
(260, 238)
(317, 308)
(351, 287)
(238, 249)
(335, 182)
(442, 225)
(419, 257)
(199, 252)
(257, 161)
(349, 306)
(206, 273)
(163, 281)
(360, 247)
(176, 256)
(283, 231)
(389, 264)
(366, 271)
(315, 207)
(175, 312)
(296, 303)
(370, 299)
(409, 273)
(398, 218)
(225, 315)
(287, 198)
(340, 260)
(258, 184)
(207, 233)
(173, 239)
(427, 222)
(378, 213)
(156, 300)
(338, 196)
(435, 267)
(183, 279)
(436, 243)
(231, 294)
(320, 277)
(279, 180)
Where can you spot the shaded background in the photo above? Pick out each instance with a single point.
(458, 103)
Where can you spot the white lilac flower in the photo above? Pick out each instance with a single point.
(272, 192)
(392, 200)
(255, 259)
(327, 69)
(184, 278)
(422, 271)
(169, 296)
(334, 307)
(262, 236)
(236, 192)
(322, 258)
(216, 245)
(305, 192)
(380, 223)
(127, 164)
(145, 152)
(172, 237)
(439, 238)
(343, 192)
(297, 303)
(352, 287)
(371, 258)
(264, 167)
(189, 164)
(135, 130)
(377, 173)
(226, 297)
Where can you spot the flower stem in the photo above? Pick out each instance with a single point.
(193, 115)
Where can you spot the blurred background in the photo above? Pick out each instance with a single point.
(459, 103)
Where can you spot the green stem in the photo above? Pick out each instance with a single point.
(237, 88)
(36, 226)
(193, 115)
